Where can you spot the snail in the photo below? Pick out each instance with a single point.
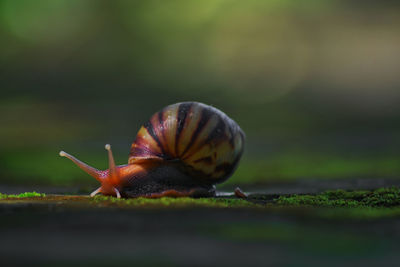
(183, 150)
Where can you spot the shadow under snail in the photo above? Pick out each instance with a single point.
(183, 150)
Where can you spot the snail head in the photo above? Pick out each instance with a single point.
(109, 179)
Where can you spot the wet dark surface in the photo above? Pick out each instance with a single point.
(53, 234)
(72, 233)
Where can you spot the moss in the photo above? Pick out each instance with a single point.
(338, 204)
(23, 195)
(382, 197)
(108, 201)
(174, 202)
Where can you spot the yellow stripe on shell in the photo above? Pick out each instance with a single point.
(170, 127)
(191, 123)
(223, 155)
(204, 152)
(147, 141)
(238, 144)
(202, 136)
(158, 129)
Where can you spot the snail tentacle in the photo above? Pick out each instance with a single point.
(112, 172)
(97, 174)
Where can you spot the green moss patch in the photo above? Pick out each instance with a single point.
(337, 204)
(382, 197)
(108, 201)
(23, 195)
(174, 202)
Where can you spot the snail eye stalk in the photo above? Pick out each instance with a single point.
(112, 169)
(107, 178)
(97, 174)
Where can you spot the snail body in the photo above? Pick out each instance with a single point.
(183, 150)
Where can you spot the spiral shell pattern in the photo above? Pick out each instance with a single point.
(201, 137)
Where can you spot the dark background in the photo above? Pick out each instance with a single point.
(314, 84)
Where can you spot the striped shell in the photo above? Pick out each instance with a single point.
(202, 137)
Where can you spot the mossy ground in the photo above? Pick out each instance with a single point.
(358, 204)
(333, 226)
(23, 195)
(379, 203)
(175, 202)
(382, 197)
(107, 201)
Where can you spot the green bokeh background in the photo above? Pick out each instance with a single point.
(314, 84)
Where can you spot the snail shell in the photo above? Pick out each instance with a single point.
(205, 140)
(184, 149)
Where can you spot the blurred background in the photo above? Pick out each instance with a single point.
(314, 84)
